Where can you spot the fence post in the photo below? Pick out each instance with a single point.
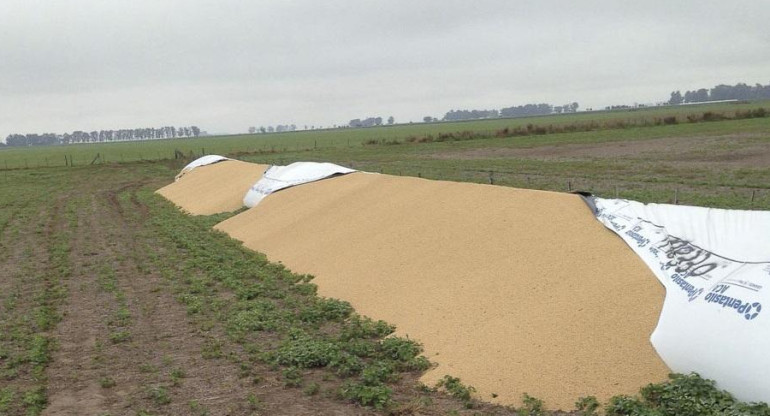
(569, 185)
(753, 194)
(491, 179)
(676, 196)
(616, 192)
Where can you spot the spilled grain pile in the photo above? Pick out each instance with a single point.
(511, 290)
(215, 188)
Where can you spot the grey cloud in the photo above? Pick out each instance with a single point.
(226, 65)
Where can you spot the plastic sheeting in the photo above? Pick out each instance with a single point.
(201, 161)
(715, 266)
(280, 177)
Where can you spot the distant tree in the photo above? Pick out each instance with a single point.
(252, 130)
(701, 95)
(676, 98)
(391, 120)
(453, 115)
(427, 119)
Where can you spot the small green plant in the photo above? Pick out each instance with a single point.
(292, 377)
(107, 382)
(587, 406)
(159, 395)
(198, 409)
(253, 401)
(212, 348)
(531, 406)
(623, 405)
(120, 336)
(147, 368)
(6, 398)
(312, 389)
(35, 400)
(458, 390)
(378, 396)
(176, 376)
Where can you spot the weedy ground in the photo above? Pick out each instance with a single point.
(114, 302)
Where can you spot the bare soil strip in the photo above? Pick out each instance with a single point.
(734, 150)
(23, 323)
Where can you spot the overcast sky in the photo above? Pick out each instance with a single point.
(225, 65)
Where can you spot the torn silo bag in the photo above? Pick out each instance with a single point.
(280, 177)
(715, 266)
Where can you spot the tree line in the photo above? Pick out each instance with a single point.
(151, 133)
(277, 129)
(739, 91)
(369, 122)
(513, 111)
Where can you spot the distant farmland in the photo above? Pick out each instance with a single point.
(695, 154)
(279, 143)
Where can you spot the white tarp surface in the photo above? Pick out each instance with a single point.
(715, 266)
(280, 177)
(201, 161)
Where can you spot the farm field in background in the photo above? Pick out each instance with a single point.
(631, 120)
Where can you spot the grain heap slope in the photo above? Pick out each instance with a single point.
(215, 188)
(514, 291)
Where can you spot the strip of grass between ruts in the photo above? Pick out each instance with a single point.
(29, 312)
